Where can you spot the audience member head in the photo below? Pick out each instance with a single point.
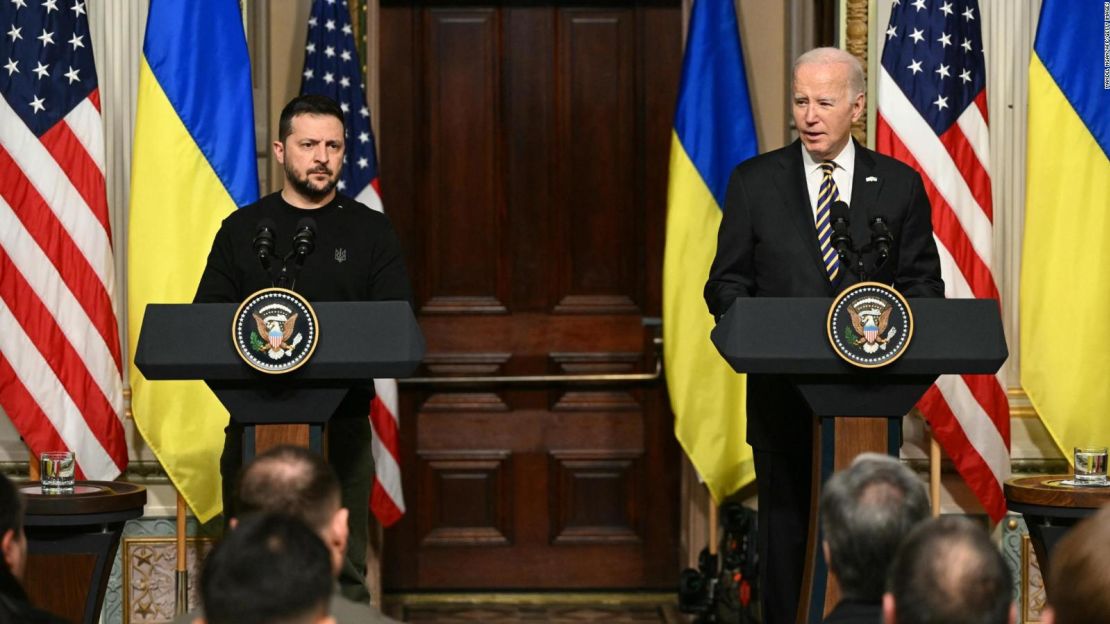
(13, 543)
(294, 481)
(1078, 581)
(866, 512)
(949, 572)
(272, 569)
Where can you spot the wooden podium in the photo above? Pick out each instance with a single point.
(856, 409)
(359, 341)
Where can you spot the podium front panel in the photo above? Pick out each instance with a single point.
(357, 341)
(788, 336)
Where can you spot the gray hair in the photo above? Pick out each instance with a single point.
(866, 512)
(831, 56)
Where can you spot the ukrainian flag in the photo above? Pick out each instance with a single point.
(1065, 278)
(713, 132)
(193, 163)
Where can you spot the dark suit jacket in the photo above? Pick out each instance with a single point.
(767, 247)
(853, 612)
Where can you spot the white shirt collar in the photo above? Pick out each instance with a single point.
(842, 174)
(845, 160)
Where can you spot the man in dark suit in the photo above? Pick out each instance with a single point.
(867, 510)
(296, 482)
(774, 242)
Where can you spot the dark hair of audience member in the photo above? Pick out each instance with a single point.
(271, 569)
(866, 512)
(290, 480)
(1078, 581)
(11, 519)
(949, 572)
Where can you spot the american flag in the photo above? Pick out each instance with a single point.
(933, 116)
(332, 68)
(60, 380)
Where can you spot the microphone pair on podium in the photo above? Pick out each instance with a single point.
(841, 240)
(304, 242)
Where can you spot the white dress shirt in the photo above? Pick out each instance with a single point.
(845, 163)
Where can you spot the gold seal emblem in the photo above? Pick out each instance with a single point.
(870, 325)
(275, 331)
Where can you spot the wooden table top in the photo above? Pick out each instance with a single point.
(89, 497)
(1047, 491)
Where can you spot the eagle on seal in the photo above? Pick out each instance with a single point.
(276, 332)
(869, 328)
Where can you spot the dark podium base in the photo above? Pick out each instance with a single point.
(72, 542)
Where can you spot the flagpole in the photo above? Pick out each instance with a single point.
(181, 596)
(712, 526)
(934, 474)
(33, 473)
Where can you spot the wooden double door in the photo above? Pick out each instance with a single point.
(524, 152)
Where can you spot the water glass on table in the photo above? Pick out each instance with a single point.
(56, 470)
(1090, 465)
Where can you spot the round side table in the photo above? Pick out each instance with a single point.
(72, 541)
(1050, 509)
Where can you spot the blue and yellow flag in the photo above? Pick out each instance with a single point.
(1065, 276)
(193, 163)
(713, 132)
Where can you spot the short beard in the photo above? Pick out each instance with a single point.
(305, 187)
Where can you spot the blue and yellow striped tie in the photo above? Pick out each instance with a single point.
(825, 197)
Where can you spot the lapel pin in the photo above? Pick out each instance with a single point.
(871, 179)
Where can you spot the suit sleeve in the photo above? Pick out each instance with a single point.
(732, 274)
(918, 270)
(219, 283)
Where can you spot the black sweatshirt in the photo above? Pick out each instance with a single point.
(357, 255)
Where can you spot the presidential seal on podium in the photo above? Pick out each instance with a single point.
(275, 331)
(870, 325)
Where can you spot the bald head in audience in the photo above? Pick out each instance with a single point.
(297, 482)
(949, 572)
(1079, 574)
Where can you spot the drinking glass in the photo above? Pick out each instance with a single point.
(56, 470)
(1090, 465)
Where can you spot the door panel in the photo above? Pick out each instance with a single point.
(524, 161)
(461, 199)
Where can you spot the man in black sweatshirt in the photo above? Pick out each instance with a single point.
(357, 258)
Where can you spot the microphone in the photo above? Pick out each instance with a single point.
(263, 242)
(304, 240)
(841, 238)
(881, 238)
